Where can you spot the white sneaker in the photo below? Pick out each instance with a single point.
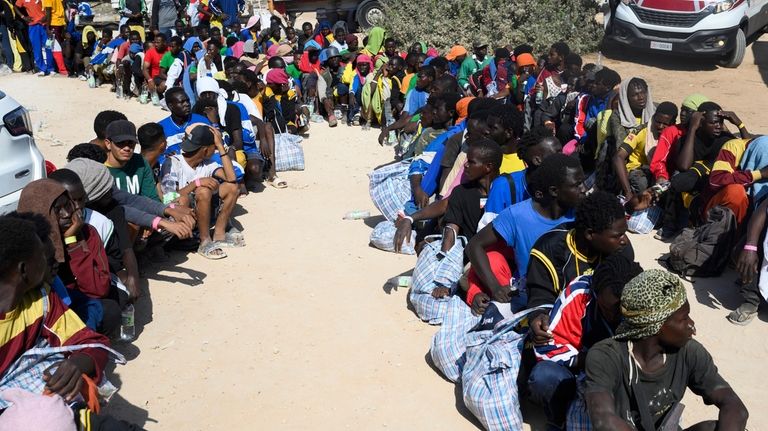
(40, 73)
(83, 78)
(54, 73)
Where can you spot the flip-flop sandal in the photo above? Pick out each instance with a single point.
(332, 121)
(233, 240)
(208, 250)
(278, 183)
(741, 317)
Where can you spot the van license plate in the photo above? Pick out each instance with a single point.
(664, 46)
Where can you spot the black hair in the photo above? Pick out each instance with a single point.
(214, 28)
(412, 56)
(239, 87)
(231, 40)
(522, 49)
(276, 62)
(447, 83)
(490, 152)
(609, 77)
(230, 62)
(480, 115)
(614, 272)
(397, 59)
(561, 48)
(163, 35)
(428, 70)
(40, 223)
(390, 39)
(709, 106)
(439, 63)
(589, 67)
(573, 58)
(510, 116)
(106, 32)
(16, 237)
(226, 86)
(532, 138)
(178, 40)
(598, 211)
(481, 104)
(150, 136)
(103, 119)
(306, 24)
(667, 108)
(250, 76)
(135, 33)
(638, 83)
(87, 151)
(449, 100)
(124, 26)
(66, 176)
(215, 41)
(552, 172)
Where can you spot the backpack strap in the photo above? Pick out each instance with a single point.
(512, 188)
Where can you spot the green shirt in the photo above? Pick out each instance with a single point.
(167, 60)
(293, 71)
(135, 177)
(469, 67)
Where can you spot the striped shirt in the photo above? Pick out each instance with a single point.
(726, 168)
(22, 327)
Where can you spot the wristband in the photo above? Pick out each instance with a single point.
(750, 247)
(409, 218)
(70, 240)
(741, 126)
(197, 182)
(156, 223)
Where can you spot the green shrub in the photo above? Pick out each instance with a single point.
(443, 23)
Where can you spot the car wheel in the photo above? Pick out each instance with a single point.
(369, 14)
(736, 56)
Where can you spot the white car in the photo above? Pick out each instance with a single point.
(712, 28)
(22, 162)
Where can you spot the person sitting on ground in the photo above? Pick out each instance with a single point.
(555, 63)
(33, 308)
(280, 103)
(100, 124)
(586, 312)
(455, 57)
(84, 267)
(131, 172)
(500, 251)
(124, 62)
(631, 162)
(637, 379)
(415, 99)
(509, 189)
(362, 68)
(199, 178)
(175, 125)
(151, 66)
(588, 107)
(749, 260)
(571, 250)
(473, 64)
(330, 87)
(153, 143)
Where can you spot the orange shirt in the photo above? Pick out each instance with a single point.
(33, 8)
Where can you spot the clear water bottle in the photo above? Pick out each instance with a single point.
(144, 95)
(127, 325)
(539, 95)
(91, 80)
(119, 91)
(170, 188)
(357, 215)
(155, 99)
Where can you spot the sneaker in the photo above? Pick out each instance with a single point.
(40, 73)
(54, 73)
(83, 78)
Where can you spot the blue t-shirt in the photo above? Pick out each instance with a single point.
(500, 197)
(520, 226)
(174, 133)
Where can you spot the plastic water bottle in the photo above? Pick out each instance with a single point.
(539, 95)
(169, 187)
(144, 95)
(91, 80)
(357, 215)
(127, 326)
(155, 99)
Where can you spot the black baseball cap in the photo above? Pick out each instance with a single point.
(121, 131)
(197, 136)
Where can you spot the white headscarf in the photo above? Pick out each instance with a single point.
(628, 119)
(206, 83)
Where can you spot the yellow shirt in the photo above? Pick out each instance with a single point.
(57, 12)
(511, 163)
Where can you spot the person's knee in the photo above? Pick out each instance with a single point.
(228, 191)
(203, 195)
(548, 378)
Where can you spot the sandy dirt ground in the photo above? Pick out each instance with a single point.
(299, 329)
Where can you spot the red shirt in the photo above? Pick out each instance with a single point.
(660, 165)
(33, 8)
(152, 59)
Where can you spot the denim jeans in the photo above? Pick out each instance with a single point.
(552, 386)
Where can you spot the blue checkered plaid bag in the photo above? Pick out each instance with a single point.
(643, 221)
(390, 188)
(436, 269)
(289, 155)
(489, 378)
(383, 238)
(449, 344)
(578, 417)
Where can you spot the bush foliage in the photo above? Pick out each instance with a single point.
(443, 23)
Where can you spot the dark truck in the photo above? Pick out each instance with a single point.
(366, 13)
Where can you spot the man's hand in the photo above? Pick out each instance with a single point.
(76, 226)
(212, 114)
(503, 294)
(746, 265)
(210, 183)
(480, 304)
(696, 119)
(179, 230)
(266, 151)
(540, 330)
(421, 198)
(151, 85)
(383, 136)
(730, 116)
(67, 380)
(403, 233)
(183, 215)
(440, 292)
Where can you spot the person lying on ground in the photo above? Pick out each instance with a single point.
(500, 251)
(131, 172)
(200, 179)
(586, 312)
(509, 189)
(654, 351)
(574, 249)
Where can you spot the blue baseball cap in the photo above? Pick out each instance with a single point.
(135, 47)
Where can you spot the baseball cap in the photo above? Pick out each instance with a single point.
(478, 44)
(456, 51)
(250, 46)
(197, 136)
(121, 131)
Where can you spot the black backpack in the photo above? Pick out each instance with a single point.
(703, 251)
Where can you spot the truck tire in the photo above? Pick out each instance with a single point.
(370, 13)
(735, 57)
